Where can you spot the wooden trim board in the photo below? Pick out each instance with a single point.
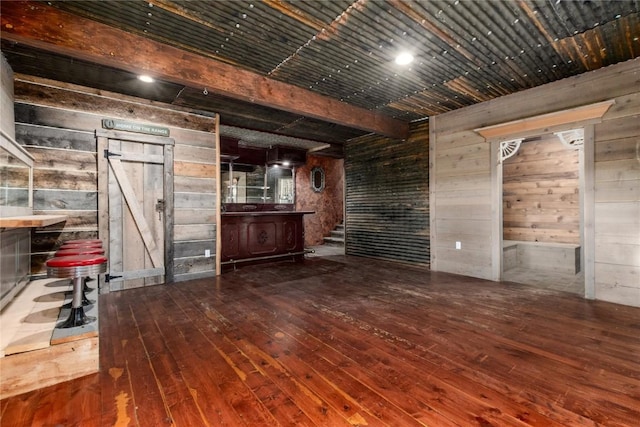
(36, 369)
(28, 221)
(218, 200)
(103, 199)
(169, 213)
(535, 123)
(135, 137)
(588, 205)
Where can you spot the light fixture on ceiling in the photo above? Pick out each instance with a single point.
(145, 78)
(404, 58)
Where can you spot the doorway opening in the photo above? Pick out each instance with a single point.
(542, 211)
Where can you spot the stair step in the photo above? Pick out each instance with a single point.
(333, 241)
(336, 236)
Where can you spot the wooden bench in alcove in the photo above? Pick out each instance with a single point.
(561, 257)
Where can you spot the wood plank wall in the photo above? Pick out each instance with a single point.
(56, 124)
(617, 198)
(540, 192)
(195, 202)
(6, 97)
(461, 178)
(387, 197)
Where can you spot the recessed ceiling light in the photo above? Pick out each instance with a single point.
(404, 58)
(146, 79)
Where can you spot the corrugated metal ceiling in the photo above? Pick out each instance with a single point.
(466, 51)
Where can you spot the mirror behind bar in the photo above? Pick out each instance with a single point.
(257, 185)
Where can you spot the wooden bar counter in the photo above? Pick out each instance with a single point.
(30, 221)
(260, 236)
(15, 249)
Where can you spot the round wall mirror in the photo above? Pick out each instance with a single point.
(317, 179)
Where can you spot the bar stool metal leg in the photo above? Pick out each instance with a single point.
(86, 287)
(85, 301)
(77, 317)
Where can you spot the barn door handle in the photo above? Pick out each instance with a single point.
(160, 208)
(109, 277)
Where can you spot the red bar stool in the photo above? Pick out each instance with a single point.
(80, 245)
(81, 251)
(82, 242)
(76, 267)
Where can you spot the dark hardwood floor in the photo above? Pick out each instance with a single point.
(345, 341)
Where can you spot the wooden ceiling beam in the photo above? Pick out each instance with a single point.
(45, 27)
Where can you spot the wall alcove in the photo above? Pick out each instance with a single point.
(504, 134)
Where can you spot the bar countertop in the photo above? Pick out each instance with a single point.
(27, 221)
(266, 213)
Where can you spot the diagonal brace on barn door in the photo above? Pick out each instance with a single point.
(136, 212)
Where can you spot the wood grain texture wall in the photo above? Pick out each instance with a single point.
(617, 199)
(195, 204)
(328, 205)
(461, 178)
(540, 192)
(56, 123)
(387, 197)
(6, 97)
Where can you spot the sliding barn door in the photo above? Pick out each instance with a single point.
(139, 206)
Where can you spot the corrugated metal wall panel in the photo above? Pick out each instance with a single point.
(387, 197)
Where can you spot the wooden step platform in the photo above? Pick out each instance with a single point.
(34, 353)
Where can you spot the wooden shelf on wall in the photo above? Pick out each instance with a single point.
(27, 221)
